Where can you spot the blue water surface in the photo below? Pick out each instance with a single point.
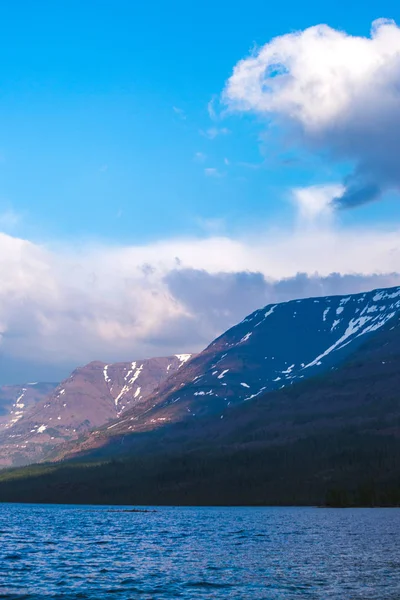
(70, 552)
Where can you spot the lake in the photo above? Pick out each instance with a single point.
(93, 552)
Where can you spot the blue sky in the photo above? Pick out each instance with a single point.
(154, 189)
(91, 145)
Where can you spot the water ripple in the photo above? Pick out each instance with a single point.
(67, 553)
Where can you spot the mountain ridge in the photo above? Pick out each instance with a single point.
(273, 347)
(257, 349)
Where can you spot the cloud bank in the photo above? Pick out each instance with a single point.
(337, 93)
(69, 305)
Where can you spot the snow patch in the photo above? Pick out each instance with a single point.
(378, 296)
(354, 329)
(373, 308)
(245, 337)
(257, 394)
(183, 358)
(136, 374)
(123, 391)
(221, 375)
(270, 311)
(105, 373)
(133, 367)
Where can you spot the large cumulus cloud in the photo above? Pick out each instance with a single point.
(339, 93)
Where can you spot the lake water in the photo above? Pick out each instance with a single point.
(195, 553)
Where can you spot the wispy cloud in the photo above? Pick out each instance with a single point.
(214, 132)
(212, 226)
(180, 112)
(211, 108)
(213, 172)
(252, 166)
(200, 157)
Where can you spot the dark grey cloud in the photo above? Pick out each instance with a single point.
(355, 195)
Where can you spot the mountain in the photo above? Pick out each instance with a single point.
(274, 348)
(271, 349)
(333, 438)
(93, 395)
(17, 400)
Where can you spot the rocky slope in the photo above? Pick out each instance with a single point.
(93, 395)
(271, 349)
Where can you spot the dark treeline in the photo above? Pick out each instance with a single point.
(339, 470)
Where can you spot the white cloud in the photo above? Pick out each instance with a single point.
(314, 203)
(180, 112)
(338, 92)
(72, 305)
(211, 108)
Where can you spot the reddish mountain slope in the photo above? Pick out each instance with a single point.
(92, 396)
